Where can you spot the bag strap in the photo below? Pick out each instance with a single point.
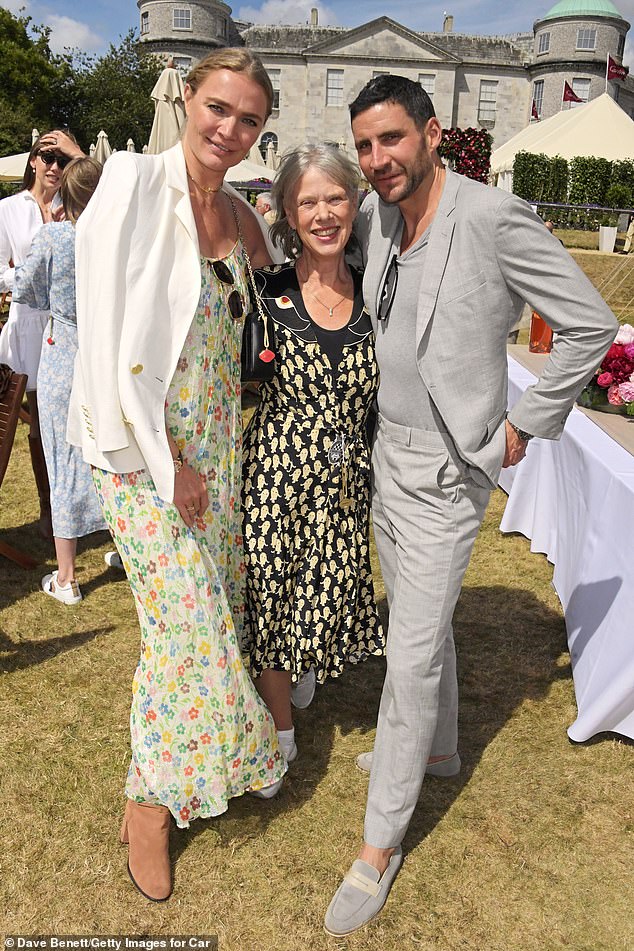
(258, 302)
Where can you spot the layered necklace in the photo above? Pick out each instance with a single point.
(207, 189)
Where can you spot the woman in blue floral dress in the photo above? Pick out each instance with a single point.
(46, 282)
(161, 255)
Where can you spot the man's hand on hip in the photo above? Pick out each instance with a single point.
(515, 447)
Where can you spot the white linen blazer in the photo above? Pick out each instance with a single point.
(138, 286)
(488, 253)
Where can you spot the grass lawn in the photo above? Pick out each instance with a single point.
(530, 849)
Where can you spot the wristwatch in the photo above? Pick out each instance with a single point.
(524, 436)
(178, 461)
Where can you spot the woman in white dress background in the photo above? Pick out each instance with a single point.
(21, 217)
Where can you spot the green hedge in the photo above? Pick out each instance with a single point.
(582, 181)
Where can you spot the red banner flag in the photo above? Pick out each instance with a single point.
(570, 95)
(615, 71)
(534, 112)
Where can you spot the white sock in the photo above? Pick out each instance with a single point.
(286, 739)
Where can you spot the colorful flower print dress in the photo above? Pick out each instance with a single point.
(200, 733)
(306, 495)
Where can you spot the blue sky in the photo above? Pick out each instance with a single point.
(92, 26)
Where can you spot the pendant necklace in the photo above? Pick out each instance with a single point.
(204, 188)
(329, 309)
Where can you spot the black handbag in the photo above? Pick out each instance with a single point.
(258, 345)
(257, 360)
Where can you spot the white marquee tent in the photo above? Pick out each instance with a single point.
(599, 128)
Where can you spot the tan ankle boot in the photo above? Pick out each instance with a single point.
(146, 829)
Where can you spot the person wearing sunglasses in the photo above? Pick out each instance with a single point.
(310, 599)
(449, 264)
(46, 281)
(21, 217)
(163, 252)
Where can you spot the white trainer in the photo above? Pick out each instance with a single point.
(113, 560)
(304, 690)
(68, 593)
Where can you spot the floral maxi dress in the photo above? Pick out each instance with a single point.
(200, 732)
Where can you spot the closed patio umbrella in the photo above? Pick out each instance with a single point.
(272, 160)
(130, 145)
(169, 111)
(103, 150)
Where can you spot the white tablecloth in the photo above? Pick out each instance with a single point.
(574, 499)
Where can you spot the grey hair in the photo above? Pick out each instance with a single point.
(266, 196)
(328, 159)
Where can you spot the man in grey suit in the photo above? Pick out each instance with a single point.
(449, 264)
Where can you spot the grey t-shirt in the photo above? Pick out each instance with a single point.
(403, 397)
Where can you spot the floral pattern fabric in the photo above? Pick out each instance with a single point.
(200, 732)
(310, 599)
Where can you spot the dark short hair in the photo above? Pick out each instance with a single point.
(399, 90)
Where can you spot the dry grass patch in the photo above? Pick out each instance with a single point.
(528, 850)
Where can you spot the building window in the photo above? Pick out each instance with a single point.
(223, 27)
(617, 91)
(274, 76)
(264, 143)
(538, 96)
(488, 99)
(621, 47)
(182, 19)
(334, 87)
(427, 81)
(182, 63)
(586, 39)
(145, 23)
(544, 43)
(581, 88)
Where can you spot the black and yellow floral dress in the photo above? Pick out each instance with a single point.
(306, 495)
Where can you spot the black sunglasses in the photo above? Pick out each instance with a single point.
(388, 293)
(50, 157)
(234, 301)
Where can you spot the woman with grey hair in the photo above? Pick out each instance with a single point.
(310, 601)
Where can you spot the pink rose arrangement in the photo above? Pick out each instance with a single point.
(613, 383)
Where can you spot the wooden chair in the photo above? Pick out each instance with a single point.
(10, 404)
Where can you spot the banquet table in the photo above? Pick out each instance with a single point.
(574, 500)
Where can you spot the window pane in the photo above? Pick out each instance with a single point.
(488, 99)
(427, 81)
(182, 19)
(145, 23)
(586, 39)
(334, 87)
(538, 95)
(581, 88)
(544, 43)
(274, 76)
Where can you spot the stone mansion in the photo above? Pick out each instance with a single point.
(492, 82)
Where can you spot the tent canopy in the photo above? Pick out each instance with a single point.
(599, 128)
(12, 167)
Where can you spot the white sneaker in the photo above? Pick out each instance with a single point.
(303, 692)
(268, 792)
(290, 752)
(67, 594)
(113, 560)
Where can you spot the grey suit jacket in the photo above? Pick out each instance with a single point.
(489, 253)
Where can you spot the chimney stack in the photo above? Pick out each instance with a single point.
(447, 26)
(314, 17)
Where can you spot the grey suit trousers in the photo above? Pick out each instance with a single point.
(426, 511)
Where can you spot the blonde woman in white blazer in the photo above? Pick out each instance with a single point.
(161, 290)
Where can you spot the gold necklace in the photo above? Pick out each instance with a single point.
(203, 188)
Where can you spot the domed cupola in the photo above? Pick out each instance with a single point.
(572, 43)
